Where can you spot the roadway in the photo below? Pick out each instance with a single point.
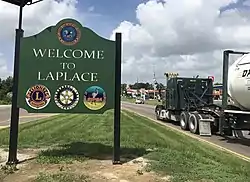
(239, 146)
(24, 116)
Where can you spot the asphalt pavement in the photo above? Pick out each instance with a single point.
(239, 146)
(24, 116)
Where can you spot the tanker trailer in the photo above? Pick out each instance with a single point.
(189, 101)
(239, 83)
(236, 93)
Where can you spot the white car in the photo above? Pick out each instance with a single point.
(139, 101)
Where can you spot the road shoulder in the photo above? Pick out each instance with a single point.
(193, 136)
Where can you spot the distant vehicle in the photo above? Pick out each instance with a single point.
(139, 101)
(217, 92)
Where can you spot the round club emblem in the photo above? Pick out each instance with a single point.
(66, 97)
(94, 98)
(38, 97)
(68, 34)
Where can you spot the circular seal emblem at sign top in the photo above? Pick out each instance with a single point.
(94, 98)
(69, 34)
(38, 97)
(66, 97)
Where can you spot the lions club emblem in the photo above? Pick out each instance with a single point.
(38, 97)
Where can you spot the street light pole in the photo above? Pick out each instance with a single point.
(12, 159)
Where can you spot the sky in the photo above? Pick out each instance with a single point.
(183, 36)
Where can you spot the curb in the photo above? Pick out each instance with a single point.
(2, 127)
(5, 106)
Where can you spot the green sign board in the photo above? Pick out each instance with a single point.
(67, 68)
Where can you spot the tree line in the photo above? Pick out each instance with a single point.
(140, 85)
(6, 86)
(147, 86)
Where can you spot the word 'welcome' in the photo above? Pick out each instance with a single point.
(69, 53)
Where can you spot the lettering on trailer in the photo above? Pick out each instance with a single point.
(67, 68)
(246, 73)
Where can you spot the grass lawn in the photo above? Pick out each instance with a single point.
(149, 102)
(2, 102)
(80, 138)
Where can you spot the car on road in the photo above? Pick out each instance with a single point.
(139, 101)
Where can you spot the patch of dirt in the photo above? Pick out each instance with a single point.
(22, 155)
(97, 170)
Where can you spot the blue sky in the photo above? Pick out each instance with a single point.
(111, 13)
(239, 5)
(106, 15)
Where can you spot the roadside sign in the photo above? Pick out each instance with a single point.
(67, 68)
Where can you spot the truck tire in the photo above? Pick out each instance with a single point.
(194, 122)
(158, 109)
(227, 132)
(184, 117)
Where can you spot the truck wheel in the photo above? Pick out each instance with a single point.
(227, 132)
(158, 111)
(184, 117)
(194, 122)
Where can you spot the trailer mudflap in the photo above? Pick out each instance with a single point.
(205, 127)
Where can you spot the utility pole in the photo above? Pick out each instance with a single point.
(154, 80)
(137, 90)
(14, 119)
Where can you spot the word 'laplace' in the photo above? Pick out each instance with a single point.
(69, 53)
(64, 76)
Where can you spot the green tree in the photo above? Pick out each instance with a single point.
(140, 85)
(217, 83)
(123, 88)
(160, 86)
(6, 86)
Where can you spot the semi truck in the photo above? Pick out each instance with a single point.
(190, 102)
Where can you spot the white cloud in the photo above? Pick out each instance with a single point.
(35, 18)
(181, 36)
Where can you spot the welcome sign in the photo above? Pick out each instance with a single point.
(67, 68)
